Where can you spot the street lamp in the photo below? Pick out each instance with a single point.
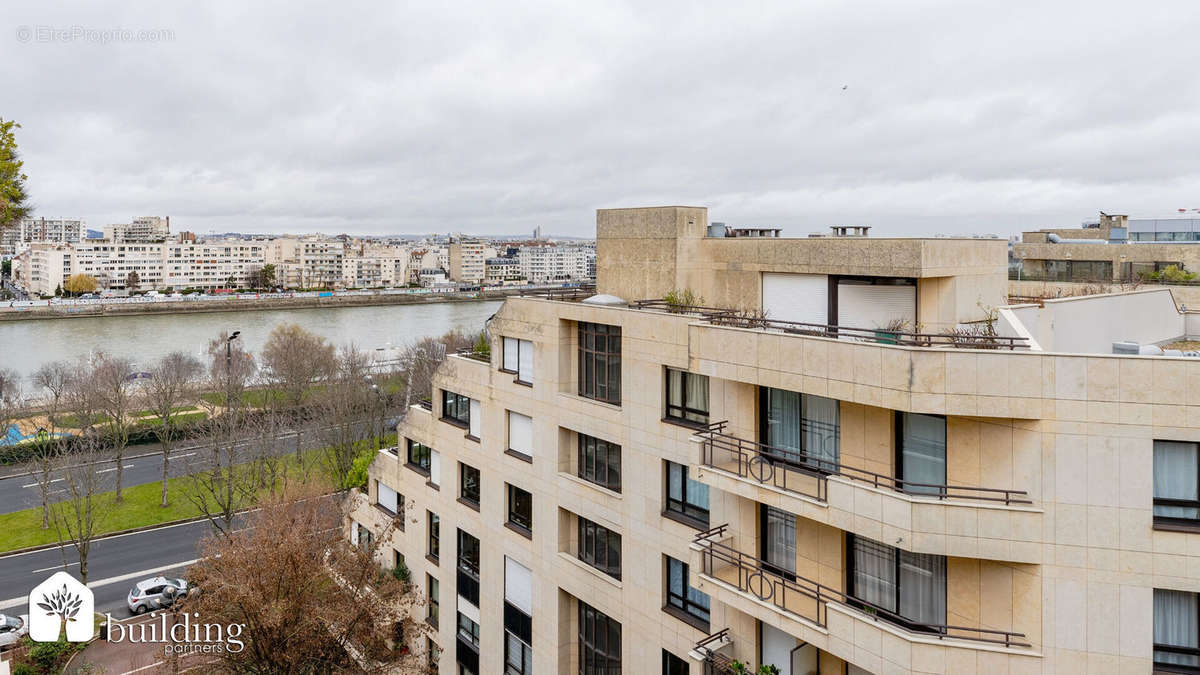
(229, 366)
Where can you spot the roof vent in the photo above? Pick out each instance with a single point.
(606, 300)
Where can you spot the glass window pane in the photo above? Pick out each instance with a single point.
(1176, 476)
(875, 573)
(923, 453)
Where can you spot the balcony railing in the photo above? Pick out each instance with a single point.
(959, 338)
(471, 353)
(571, 293)
(805, 474)
(810, 599)
(715, 663)
(426, 404)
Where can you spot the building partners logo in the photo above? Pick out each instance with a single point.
(179, 634)
(58, 605)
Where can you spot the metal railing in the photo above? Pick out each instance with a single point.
(471, 353)
(716, 663)
(802, 473)
(810, 599)
(960, 339)
(574, 293)
(426, 404)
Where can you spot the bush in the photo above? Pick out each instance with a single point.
(357, 476)
(49, 657)
(1173, 274)
(401, 572)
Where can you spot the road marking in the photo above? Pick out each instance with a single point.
(4, 604)
(47, 569)
(127, 466)
(52, 480)
(188, 455)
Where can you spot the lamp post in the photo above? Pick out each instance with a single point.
(229, 366)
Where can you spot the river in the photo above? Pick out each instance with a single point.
(26, 345)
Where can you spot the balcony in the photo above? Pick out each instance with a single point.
(833, 621)
(707, 652)
(959, 520)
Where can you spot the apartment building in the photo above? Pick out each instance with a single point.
(502, 271)
(1112, 248)
(543, 263)
(141, 229)
(211, 264)
(41, 230)
(856, 459)
(467, 257)
(307, 262)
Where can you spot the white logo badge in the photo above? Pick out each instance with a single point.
(61, 603)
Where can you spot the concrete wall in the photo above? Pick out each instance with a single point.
(1091, 323)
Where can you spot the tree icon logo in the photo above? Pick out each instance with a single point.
(61, 605)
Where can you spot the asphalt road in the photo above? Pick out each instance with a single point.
(115, 564)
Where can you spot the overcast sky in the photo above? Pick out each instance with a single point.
(916, 117)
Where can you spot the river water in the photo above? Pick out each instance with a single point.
(26, 345)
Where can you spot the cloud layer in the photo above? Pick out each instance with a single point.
(363, 117)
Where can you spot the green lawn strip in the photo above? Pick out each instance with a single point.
(69, 421)
(152, 413)
(178, 419)
(140, 508)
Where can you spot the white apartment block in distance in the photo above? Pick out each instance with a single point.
(43, 231)
(467, 257)
(543, 263)
(856, 459)
(141, 229)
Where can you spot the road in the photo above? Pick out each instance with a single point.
(114, 565)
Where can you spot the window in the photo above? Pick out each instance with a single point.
(435, 536)
(1177, 483)
(599, 642)
(673, 665)
(468, 630)
(388, 499)
(518, 600)
(687, 396)
(518, 359)
(686, 498)
(419, 456)
(1176, 631)
(600, 362)
(520, 508)
(520, 434)
(911, 586)
(431, 584)
(456, 409)
(518, 656)
(778, 541)
(689, 604)
(800, 429)
(432, 651)
(600, 547)
(600, 462)
(921, 453)
(468, 484)
(364, 538)
(468, 567)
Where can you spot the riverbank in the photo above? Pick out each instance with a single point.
(244, 304)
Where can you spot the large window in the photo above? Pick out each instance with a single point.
(520, 434)
(599, 642)
(419, 456)
(778, 541)
(600, 462)
(600, 547)
(921, 453)
(600, 362)
(684, 601)
(468, 630)
(518, 359)
(1176, 631)
(456, 409)
(673, 665)
(801, 429)
(687, 396)
(468, 567)
(911, 586)
(518, 656)
(468, 484)
(1177, 484)
(520, 509)
(435, 535)
(431, 584)
(686, 498)
(518, 619)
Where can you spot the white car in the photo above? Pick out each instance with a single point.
(156, 593)
(12, 628)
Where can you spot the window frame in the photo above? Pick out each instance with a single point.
(602, 545)
(472, 636)
(433, 590)
(461, 406)
(510, 499)
(1176, 523)
(463, 469)
(525, 658)
(610, 449)
(671, 664)
(895, 616)
(679, 414)
(680, 604)
(590, 615)
(419, 457)
(433, 536)
(593, 387)
(1167, 667)
(939, 492)
(678, 509)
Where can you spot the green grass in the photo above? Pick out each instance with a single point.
(255, 398)
(139, 508)
(179, 420)
(176, 409)
(73, 422)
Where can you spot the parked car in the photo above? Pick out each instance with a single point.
(156, 593)
(12, 628)
(88, 296)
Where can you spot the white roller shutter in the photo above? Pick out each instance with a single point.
(518, 585)
(435, 467)
(386, 497)
(796, 297)
(511, 354)
(476, 418)
(525, 361)
(520, 433)
(871, 306)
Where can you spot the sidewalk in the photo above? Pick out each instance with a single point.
(121, 658)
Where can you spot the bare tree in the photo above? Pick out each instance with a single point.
(343, 414)
(294, 360)
(172, 383)
(422, 359)
(116, 391)
(54, 379)
(308, 600)
(80, 514)
(10, 399)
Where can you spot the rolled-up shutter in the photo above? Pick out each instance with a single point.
(796, 297)
(518, 585)
(871, 306)
(520, 433)
(525, 361)
(511, 354)
(435, 467)
(476, 418)
(386, 497)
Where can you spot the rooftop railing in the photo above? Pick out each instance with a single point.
(570, 293)
(805, 473)
(810, 599)
(472, 353)
(961, 338)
